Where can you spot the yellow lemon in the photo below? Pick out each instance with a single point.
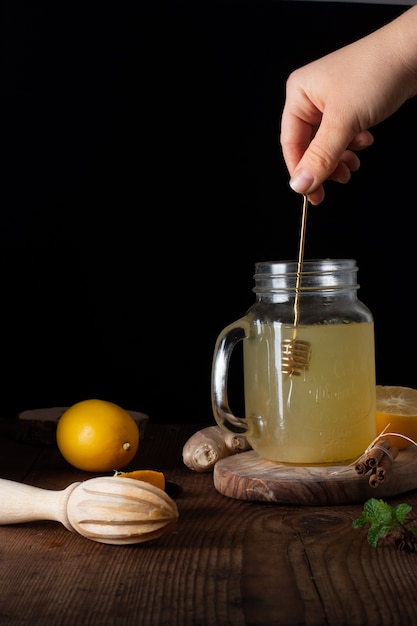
(97, 436)
(397, 406)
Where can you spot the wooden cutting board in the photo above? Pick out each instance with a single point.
(246, 476)
(38, 426)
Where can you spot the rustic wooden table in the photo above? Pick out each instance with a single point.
(227, 562)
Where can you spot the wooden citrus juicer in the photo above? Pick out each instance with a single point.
(105, 509)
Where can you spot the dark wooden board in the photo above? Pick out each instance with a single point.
(247, 476)
(38, 426)
(226, 562)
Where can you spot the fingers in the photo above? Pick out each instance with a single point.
(348, 163)
(305, 182)
(362, 140)
(317, 196)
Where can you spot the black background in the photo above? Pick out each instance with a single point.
(142, 179)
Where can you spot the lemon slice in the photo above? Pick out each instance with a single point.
(396, 411)
(157, 479)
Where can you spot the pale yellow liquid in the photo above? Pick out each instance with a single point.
(327, 414)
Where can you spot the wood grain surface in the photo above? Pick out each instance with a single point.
(228, 562)
(247, 476)
(38, 426)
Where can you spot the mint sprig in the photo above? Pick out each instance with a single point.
(388, 524)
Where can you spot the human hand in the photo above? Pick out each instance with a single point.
(332, 102)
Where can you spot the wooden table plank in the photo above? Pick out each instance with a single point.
(226, 562)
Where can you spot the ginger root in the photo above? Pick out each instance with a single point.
(208, 445)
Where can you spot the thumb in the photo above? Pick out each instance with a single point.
(321, 158)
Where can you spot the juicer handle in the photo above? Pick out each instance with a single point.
(26, 503)
(225, 344)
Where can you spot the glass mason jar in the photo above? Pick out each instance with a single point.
(308, 365)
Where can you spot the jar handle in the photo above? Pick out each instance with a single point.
(225, 344)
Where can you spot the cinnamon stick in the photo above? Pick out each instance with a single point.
(373, 481)
(381, 471)
(361, 466)
(385, 464)
(377, 453)
(369, 460)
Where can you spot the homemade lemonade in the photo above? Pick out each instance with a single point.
(324, 415)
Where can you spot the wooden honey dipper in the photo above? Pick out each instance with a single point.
(296, 352)
(104, 509)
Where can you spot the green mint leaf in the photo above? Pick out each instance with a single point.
(382, 518)
(401, 511)
(378, 511)
(359, 522)
(375, 533)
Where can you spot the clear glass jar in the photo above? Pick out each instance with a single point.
(308, 365)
